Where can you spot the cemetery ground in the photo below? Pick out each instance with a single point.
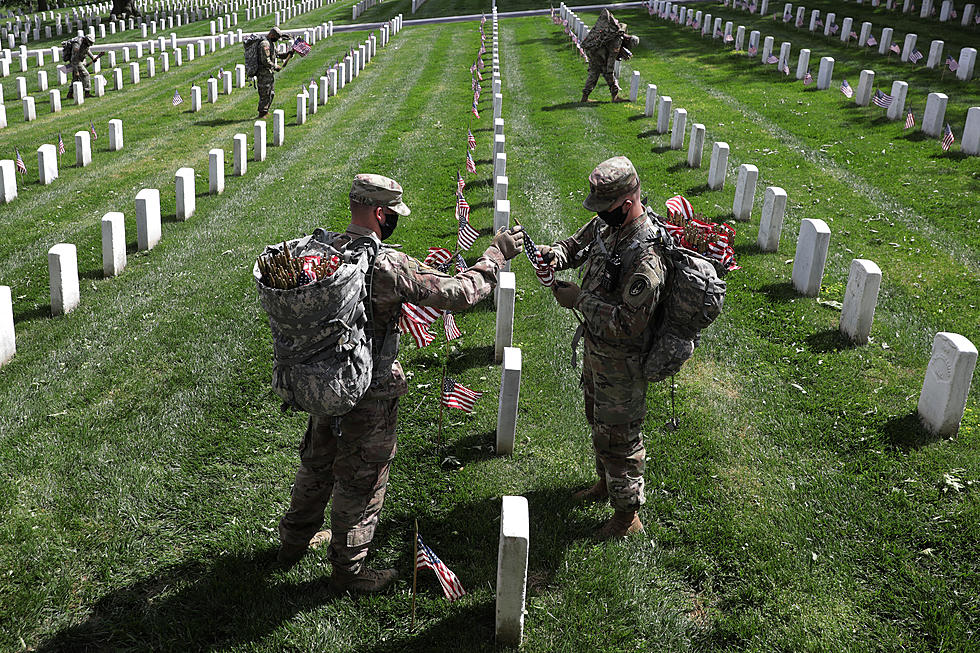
(145, 462)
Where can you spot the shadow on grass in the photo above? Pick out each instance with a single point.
(40, 312)
(206, 604)
(219, 122)
(481, 205)
(472, 357)
(828, 340)
(648, 133)
(573, 105)
(697, 190)
(779, 292)
(660, 149)
(907, 432)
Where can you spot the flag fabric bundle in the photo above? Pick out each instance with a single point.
(947, 138)
(708, 239)
(301, 47)
(61, 144)
(807, 79)
(455, 395)
(883, 100)
(680, 205)
(909, 120)
(19, 163)
(544, 272)
(177, 99)
(846, 89)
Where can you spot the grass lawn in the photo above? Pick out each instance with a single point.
(144, 461)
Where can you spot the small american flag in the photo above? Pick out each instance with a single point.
(462, 208)
(951, 63)
(799, 21)
(834, 28)
(61, 144)
(752, 50)
(952, 13)
(460, 184)
(474, 110)
(915, 56)
(419, 332)
(544, 271)
(177, 99)
(807, 79)
(91, 128)
(819, 23)
(787, 17)
(301, 47)
(786, 68)
(19, 162)
(854, 35)
(422, 314)
(680, 205)
(729, 38)
(772, 59)
(881, 99)
(894, 48)
(449, 323)
(846, 89)
(909, 119)
(470, 139)
(947, 138)
(871, 42)
(470, 164)
(455, 395)
(437, 256)
(467, 235)
(461, 263)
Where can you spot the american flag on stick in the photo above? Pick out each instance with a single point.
(455, 395)
(752, 50)
(470, 139)
(947, 138)
(470, 164)
(61, 144)
(419, 332)
(301, 47)
(881, 99)
(91, 128)
(19, 162)
(474, 110)
(807, 79)
(461, 263)
(678, 204)
(462, 207)
(467, 235)
(544, 271)
(437, 256)
(846, 89)
(772, 59)
(909, 119)
(871, 42)
(915, 56)
(449, 323)
(177, 99)
(894, 48)
(422, 314)
(460, 184)
(951, 63)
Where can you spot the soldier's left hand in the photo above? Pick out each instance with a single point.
(566, 293)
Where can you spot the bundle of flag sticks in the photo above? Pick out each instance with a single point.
(282, 270)
(708, 239)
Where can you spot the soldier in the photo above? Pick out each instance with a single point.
(604, 46)
(265, 79)
(80, 49)
(621, 286)
(348, 458)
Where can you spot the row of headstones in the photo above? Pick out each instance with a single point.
(940, 406)
(928, 9)
(283, 9)
(964, 72)
(360, 7)
(935, 111)
(575, 24)
(63, 259)
(308, 100)
(47, 160)
(99, 82)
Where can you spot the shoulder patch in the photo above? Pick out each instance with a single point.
(638, 286)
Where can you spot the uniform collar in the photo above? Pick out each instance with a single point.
(358, 230)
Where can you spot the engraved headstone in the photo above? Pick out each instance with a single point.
(811, 256)
(113, 244)
(860, 299)
(63, 278)
(947, 383)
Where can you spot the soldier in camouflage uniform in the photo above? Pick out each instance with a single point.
(621, 286)
(602, 46)
(348, 458)
(80, 50)
(265, 79)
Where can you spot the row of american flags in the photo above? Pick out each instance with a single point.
(558, 20)
(19, 160)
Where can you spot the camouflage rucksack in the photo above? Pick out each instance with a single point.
(691, 300)
(321, 331)
(251, 45)
(67, 47)
(606, 29)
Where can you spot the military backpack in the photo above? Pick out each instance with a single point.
(251, 45)
(692, 298)
(321, 331)
(67, 47)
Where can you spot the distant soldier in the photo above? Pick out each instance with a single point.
(604, 45)
(621, 286)
(80, 50)
(265, 77)
(348, 458)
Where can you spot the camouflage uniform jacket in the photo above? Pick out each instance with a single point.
(617, 321)
(80, 50)
(397, 278)
(607, 32)
(267, 58)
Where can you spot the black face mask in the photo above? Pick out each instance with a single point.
(388, 228)
(613, 218)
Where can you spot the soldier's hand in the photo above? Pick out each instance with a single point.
(510, 242)
(566, 293)
(548, 255)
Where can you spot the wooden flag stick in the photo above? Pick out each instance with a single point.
(441, 403)
(415, 571)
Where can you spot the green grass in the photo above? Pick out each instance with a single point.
(144, 462)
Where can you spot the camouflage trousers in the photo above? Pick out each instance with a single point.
(266, 85)
(601, 62)
(79, 73)
(615, 404)
(351, 466)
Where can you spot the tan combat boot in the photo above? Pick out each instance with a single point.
(594, 494)
(290, 554)
(616, 98)
(367, 581)
(622, 524)
(585, 97)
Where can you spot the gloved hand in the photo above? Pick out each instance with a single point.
(548, 255)
(510, 242)
(566, 293)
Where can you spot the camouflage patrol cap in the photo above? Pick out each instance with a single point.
(610, 180)
(375, 190)
(278, 32)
